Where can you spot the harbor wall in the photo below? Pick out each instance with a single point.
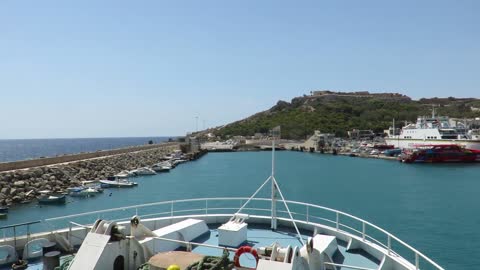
(23, 164)
(22, 184)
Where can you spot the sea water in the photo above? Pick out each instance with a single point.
(434, 208)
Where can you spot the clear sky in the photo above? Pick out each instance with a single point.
(143, 68)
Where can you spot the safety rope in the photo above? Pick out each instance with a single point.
(66, 263)
(213, 263)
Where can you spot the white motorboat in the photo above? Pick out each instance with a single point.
(143, 171)
(83, 192)
(116, 182)
(161, 167)
(124, 174)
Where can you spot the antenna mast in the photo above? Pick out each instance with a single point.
(275, 188)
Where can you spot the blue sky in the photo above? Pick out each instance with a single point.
(123, 68)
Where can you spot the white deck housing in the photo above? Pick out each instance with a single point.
(186, 230)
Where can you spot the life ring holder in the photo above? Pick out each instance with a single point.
(244, 249)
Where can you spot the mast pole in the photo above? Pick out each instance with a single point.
(274, 201)
(393, 126)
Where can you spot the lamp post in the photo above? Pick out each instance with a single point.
(196, 123)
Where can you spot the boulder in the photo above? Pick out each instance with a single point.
(19, 183)
(37, 173)
(7, 177)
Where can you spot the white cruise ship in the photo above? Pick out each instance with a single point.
(432, 131)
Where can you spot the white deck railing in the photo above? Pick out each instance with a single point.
(305, 212)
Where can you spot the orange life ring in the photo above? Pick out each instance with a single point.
(242, 250)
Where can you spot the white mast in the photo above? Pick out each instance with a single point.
(393, 126)
(274, 189)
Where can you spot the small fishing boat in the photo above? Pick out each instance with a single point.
(3, 209)
(392, 152)
(143, 171)
(52, 199)
(168, 157)
(125, 174)
(75, 189)
(97, 187)
(162, 167)
(116, 182)
(178, 161)
(84, 192)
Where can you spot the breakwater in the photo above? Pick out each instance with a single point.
(58, 173)
(16, 165)
(23, 149)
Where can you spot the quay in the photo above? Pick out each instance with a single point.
(368, 156)
(23, 181)
(25, 164)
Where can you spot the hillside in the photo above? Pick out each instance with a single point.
(338, 112)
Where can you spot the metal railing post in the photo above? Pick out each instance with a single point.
(363, 230)
(389, 244)
(171, 209)
(206, 206)
(338, 220)
(308, 214)
(417, 263)
(70, 234)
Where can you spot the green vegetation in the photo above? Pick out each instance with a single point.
(338, 114)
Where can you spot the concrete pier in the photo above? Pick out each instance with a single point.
(21, 181)
(23, 164)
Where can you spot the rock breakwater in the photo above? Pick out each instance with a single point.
(24, 185)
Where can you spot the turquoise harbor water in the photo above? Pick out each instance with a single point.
(433, 208)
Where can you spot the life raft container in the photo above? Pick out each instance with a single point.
(244, 249)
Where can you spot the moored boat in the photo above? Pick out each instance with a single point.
(162, 167)
(52, 199)
(439, 154)
(392, 152)
(84, 192)
(125, 174)
(429, 131)
(143, 171)
(116, 182)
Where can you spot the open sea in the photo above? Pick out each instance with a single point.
(434, 208)
(13, 150)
